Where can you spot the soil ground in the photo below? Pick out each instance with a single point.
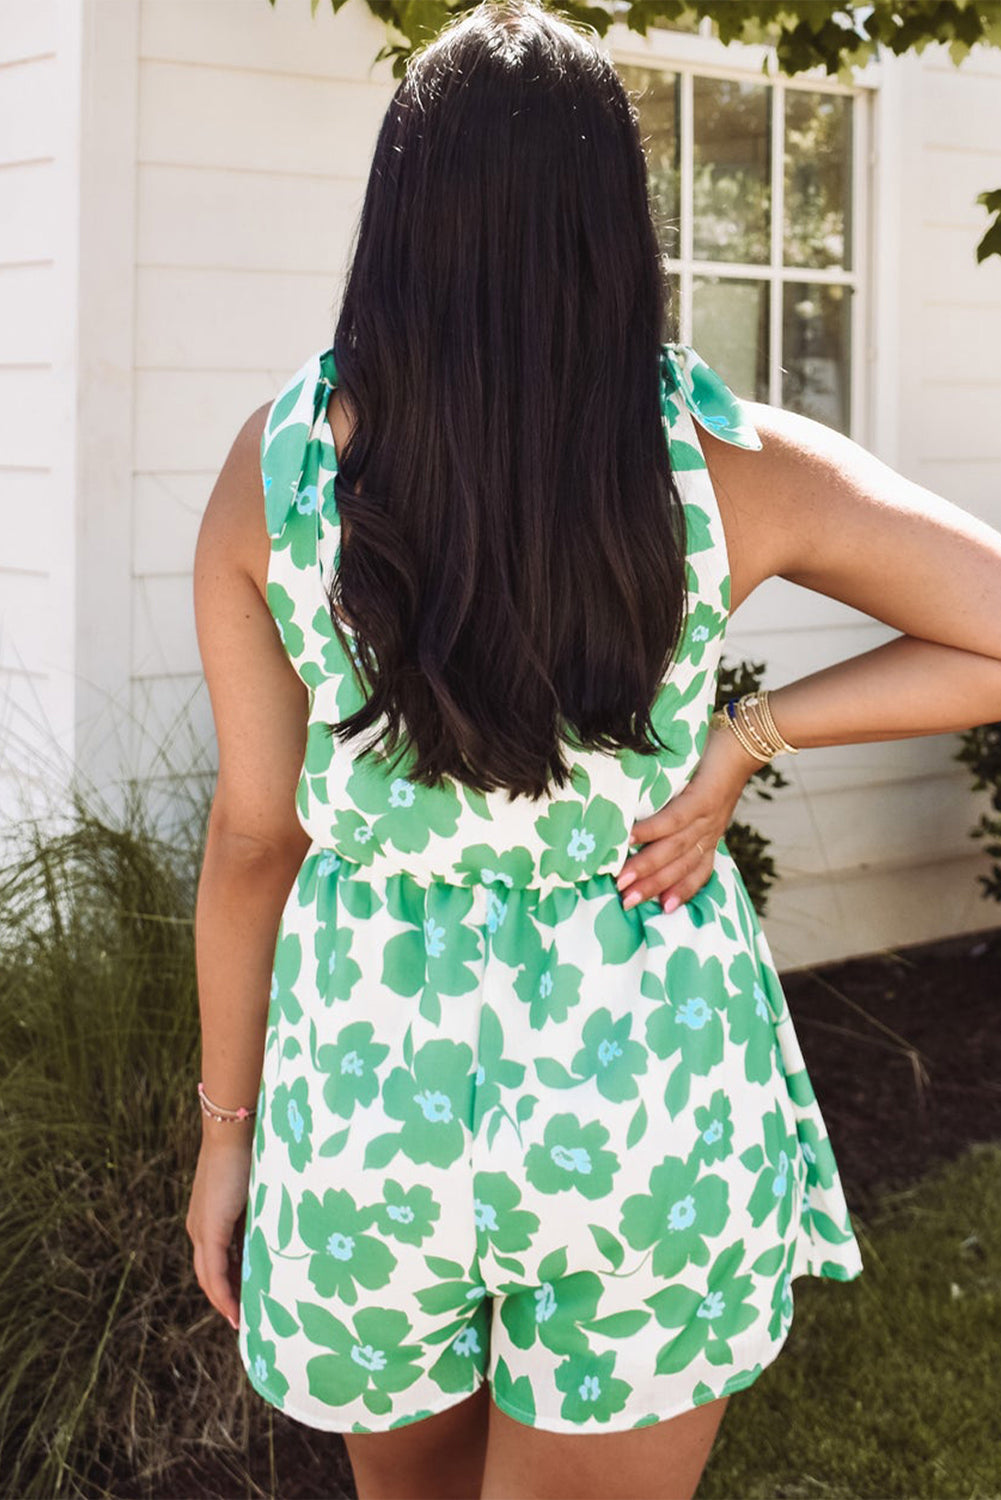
(904, 1050)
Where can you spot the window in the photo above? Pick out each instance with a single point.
(754, 191)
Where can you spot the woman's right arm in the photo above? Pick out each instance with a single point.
(816, 508)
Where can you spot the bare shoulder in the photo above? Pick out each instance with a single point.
(233, 533)
(819, 509)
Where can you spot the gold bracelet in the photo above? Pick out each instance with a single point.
(751, 726)
(721, 717)
(766, 710)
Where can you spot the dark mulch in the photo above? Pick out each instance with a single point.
(904, 1050)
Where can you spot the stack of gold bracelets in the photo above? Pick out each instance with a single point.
(750, 719)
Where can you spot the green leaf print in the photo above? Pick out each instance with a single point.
(549, 988)
(516, 1395)
(579, 837)
(262, 1368)
(610, 1057)
(284, 407)
(280, 1319)
(593, 1392)
(495, 1072)
(405, 813)
(255, 1275)
(482, 863)
(376, 1356)
(285, 1221)
(409, 1214)
(697, 528)
(689, 1022)
(620, 933)
(677, 1216)
(337, 972)
(750, 1019)
(714, 1141)
(707, 1320)
(433, 1100)
(464, 1359)
(283, 609)
(284, 974)
(351, 1066)
(776, 1187)
(554, 1312)
(571, 1158)
(292, 1121)
(335, 1228)
(500, 1223)
(611, 1248)
(821, 1167)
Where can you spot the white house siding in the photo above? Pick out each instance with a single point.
(38, 126)
(225, 147)
(873, 840)
(255, 132)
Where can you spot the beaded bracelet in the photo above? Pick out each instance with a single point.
(750, 720)
(216, 1112)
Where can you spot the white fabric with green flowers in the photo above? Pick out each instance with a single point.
(507, 1129)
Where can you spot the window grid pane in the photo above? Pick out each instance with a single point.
(772, 333)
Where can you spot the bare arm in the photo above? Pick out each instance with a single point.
(254, 844)
(818, 509)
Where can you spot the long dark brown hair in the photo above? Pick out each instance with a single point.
(514, 563)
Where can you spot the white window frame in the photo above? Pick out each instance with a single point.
(875, 234)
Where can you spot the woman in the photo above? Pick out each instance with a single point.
(532, 1123)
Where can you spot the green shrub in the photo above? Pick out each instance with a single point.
(981, 751)
(112, 1364)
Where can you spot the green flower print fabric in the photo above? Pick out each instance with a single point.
(507, 1130)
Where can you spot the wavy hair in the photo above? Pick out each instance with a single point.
(513, 561)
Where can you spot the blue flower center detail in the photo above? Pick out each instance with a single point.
(545, 1302)
(329, 863)
(400, 1213)
(480, 1075)
(682, 1213)
(340, 1246)
(434, 938)
(496, 911)
(485, 1215)
(580, 844)
(368, 1358)
(711, 1306)
(332, 961)
(435, 1105)
(362, 835)
(546, 986)
(608, 1049)
(401, 793)
(694, 1013)
(573, 1158)
(245, 1268)
(700, 633)
(808, 1152)
(589, 1388)
(305, 500)
(274, 986)
(467, 1342)
(713, 1132)
(261, 1368)
(781, 1179)
(352, 1063)
(296, 1122)
(760, 1002)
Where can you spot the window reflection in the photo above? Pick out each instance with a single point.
(818, 168)
(732, 150)
(816, 352)
(730, 331)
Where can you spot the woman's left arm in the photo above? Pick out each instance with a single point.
(254, 844)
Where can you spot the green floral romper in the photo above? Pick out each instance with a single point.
(506, 1129)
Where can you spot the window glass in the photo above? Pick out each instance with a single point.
(731, 188)
(816, 351)
(818, 169)
(730, 330)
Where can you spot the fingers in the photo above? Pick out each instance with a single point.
(212, 1272)
(673, 882)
